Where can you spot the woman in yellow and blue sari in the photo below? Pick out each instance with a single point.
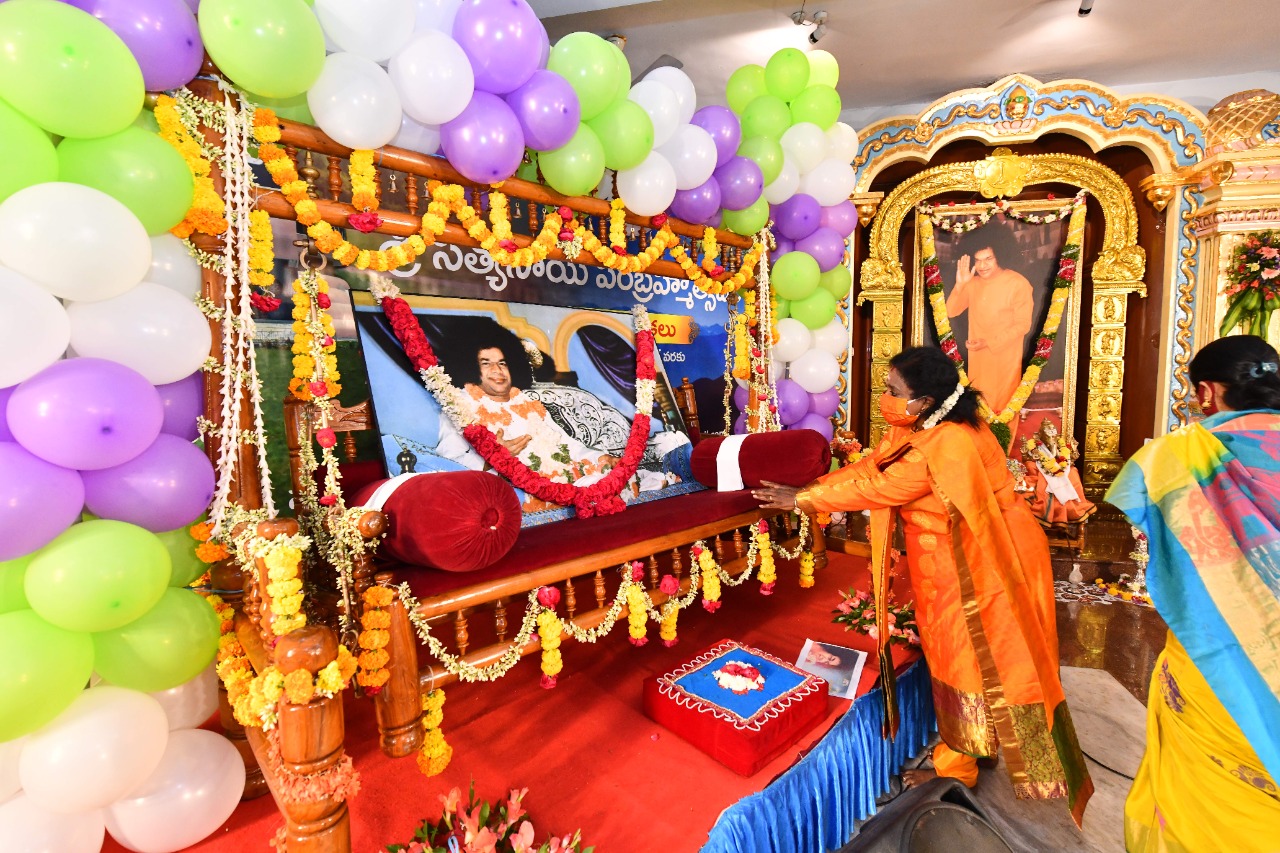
(1208, 498)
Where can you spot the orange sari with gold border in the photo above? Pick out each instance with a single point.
(979, 566)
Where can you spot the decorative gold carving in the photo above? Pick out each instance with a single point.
(1237, 121)
(1163, 188)
(1222, 171)
(1106, 374)
(887, 315)
(1002, 174)
(1186, 290)
(867, 204)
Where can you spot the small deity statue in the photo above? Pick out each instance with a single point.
(1019, 472)
(1056, 495)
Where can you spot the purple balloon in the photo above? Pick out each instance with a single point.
(502, 39)
(485, 143)
(740, 425)
(544, 50)
(725, 130)
(793, 401)
(826, 247)
(161, 34)
(841, 218)
(38, 501)
(798, 216)
(714, 221)
(193, 5)
(817, 423)
(86, 413)
(165, 487)
(5, 433)
(547, 108)
(824, 403)
(698, 204)
(784, 246)
(741, 183)
(183, 402)
(740, 398)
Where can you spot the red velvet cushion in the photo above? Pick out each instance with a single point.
(794, 457)
(458, 521)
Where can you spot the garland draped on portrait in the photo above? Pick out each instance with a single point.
(600, 498)
(1061, 290)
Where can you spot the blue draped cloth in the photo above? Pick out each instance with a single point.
(815, 805)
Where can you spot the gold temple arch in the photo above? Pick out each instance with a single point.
(1117, 272)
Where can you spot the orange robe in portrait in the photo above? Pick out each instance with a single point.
(1000, 312)
(979, 566)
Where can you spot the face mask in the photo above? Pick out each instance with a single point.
(894, 410)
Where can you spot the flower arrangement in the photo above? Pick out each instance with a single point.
(435, 753)
(1253, 284)
(315, 363)
(1062, 283)
(208, 211)
(479, 827)
(207, 551)
(738, 678)
(373, 640)
(857, 612)
(1125, 588)
(282, 559)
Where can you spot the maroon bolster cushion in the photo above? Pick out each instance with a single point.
(456, 521)
(793, 457)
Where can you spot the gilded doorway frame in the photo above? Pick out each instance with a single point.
(1117, 272)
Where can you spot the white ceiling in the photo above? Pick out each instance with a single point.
(913, 51)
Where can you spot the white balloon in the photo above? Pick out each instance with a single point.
(832, 338)
(34, 329)
(155, 331)
(432, 77)
(173, 266)
(375, 29)
(355, 102)
(194, 788)
(423, 138)
(74, 241)
(830, 183)
(785, 185)
(842, 142)
(805, 144)
(190, 704)
(692, 153)
(436, 15)
(100, 748)
(678, 82)
(793, 339)
(649, 188)
(9, 752)
(815, 371)
(26, 827)
(662, 105)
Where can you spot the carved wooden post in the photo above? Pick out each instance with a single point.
(398, 704)
(228, 576)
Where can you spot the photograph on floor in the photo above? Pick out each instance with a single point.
(839, 666)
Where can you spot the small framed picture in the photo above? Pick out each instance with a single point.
(839, 666)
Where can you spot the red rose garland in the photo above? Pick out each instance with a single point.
(601, 498)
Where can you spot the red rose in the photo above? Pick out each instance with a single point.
(670, 643)
(566, 235)
(364, 222)
(717, 270)
(264, 302)
(328, 500)
(326, 437)
(548, 596)
(548, 681)
(1044, 348)
(620, 250)
(323, 300)
(1067, 269)
(710, 606)
(637, 571)
(565, 213)
(319, 389)
(638, 641)
(669, 585)
(509, 245)
(696, 550)
(1051, 196)
(659, 220)
(328, 341)
(766, 588)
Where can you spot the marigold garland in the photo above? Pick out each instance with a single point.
(806, 570)
(1062, 285)
(667, 628)
(262, 256)
(549, 638)
(315, 363)
(768, 574)
(617, 226)
(435, 753)
(207, 551)
(741, 346)
(208, 211)
(710, 577)
(711, 284)
(637, 612)
(373, 640)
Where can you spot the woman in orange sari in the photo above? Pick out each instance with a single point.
(979, 566)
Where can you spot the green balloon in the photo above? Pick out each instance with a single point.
(816, 309)
(586, 61)
(64, 70)
(97, 575)
(167, 646)
(794, 277)
(26, 154)
(294, 109)
(626, 133)
(185, 566)
(138, 169)
(823, 69)
(783, 309)
(765, 152)
(744, 86)
(42, 669)
(749, 220)
(12, 575)
(836, 281)
(528, 170)
(621, 71)
(767, 116)
(146, 120)
(817, 104)
(272, 47)
(577, 167)
(787, 73)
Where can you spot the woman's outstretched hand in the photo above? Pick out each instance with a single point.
(775, 495)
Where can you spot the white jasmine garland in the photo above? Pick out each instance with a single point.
(945, 409)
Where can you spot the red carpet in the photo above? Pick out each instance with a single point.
(588, 755)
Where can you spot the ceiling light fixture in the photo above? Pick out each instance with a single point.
(1086, 6)
(800, 18)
